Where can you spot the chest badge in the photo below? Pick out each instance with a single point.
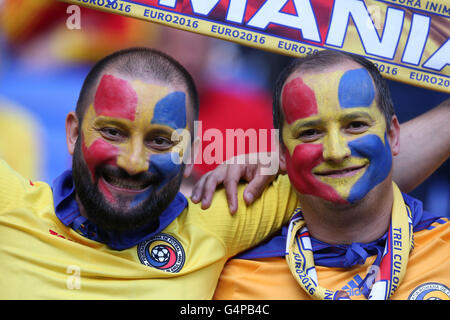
(162, 252)
(430, 291)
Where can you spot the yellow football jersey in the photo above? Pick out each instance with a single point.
(42, 258)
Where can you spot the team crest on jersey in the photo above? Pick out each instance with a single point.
(430, 291)
(162, 252)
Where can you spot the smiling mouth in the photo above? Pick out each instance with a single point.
(340, 173)
(126, 184)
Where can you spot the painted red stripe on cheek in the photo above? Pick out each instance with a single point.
(100, 152)
(299, 100)
(115, 98)
(304, 158)
(299, 166)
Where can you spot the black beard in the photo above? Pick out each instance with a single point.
(119, 218)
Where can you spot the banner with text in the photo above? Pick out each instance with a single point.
(408, 40)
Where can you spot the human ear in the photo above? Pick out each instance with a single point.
(394, 136)
(72, 131)
(282, 157)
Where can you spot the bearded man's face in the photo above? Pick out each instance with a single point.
(126, 164)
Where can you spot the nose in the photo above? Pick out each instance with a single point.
(335, 146)
(134, 158)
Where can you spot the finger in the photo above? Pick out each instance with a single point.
(256, 187)
(234, 175)
(231, 185)
(208, 190)
(250, 172)
(197, 191)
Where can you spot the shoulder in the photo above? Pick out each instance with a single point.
(17, 191)
(278, 193)
(433, 238)
(437, 229)
(422, 219)
(12, 185)
(428, 226)
(9, 176)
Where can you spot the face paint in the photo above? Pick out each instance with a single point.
(380, 156)
(100, 152)
(122, 216)
(299, 166)
(163, 166)
(171, 111)
(129, 126)
(299, 100)
(96, 151)
(115, 98)
(338, 151)
(356, 89)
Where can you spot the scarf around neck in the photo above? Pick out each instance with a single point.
(383, 277)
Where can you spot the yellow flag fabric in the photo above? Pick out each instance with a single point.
(408, 40)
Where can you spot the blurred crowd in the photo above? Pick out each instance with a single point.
(44, 58)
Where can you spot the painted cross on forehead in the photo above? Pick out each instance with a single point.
(130, 126)
(335, 135)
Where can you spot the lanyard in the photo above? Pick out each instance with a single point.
(385, 274)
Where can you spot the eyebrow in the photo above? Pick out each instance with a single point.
(119, 122)
(124, 124)
(356, 115)
(161, 131)
(346, 117)
(308, 123)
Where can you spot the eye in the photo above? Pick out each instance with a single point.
(310, 135)
(159, 143)
(112, 134)
(357, 127)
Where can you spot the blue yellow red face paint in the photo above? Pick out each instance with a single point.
(115, 97)
(335, 135)
(130, 125)
(169, 110)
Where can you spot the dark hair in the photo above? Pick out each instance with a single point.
(326, 58)
(142, 64)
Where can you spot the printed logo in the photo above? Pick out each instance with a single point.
(162, 252)
(353, 286)
(430, 291)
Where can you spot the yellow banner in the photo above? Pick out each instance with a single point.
(408, 40)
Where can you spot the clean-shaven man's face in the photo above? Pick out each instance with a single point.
(335, 135)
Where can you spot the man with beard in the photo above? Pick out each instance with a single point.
(116, 227)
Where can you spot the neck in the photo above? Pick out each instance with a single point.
(362, 222)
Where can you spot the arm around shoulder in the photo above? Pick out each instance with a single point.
(266, 215)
